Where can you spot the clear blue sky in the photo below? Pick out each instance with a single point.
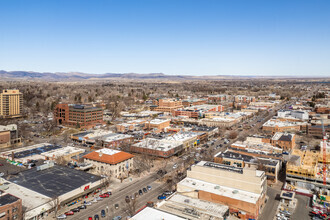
(197, 37)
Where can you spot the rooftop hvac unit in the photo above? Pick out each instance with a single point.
(45, 166)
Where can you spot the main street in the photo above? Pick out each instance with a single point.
(118, 196)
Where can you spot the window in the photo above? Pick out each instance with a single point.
(15, 209)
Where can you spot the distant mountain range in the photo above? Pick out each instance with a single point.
(77, 76)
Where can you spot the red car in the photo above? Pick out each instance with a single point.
(69, 213)
(1, 164)
(104, 195)
(90, 218)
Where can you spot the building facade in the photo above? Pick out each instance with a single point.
(242, 189)
(9, 136)
(79, 116)
(11, 103)
(110, 162)
(166, 105)
(10, 207)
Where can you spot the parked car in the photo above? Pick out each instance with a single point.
(116, 206)
(102, 213)
(116, 218)
(90, 218)
(167, 193)
(69, 213)
(2, 174)
(63, 216)
(161, 197)
(105, 195)
(145, 190)
(127, 199)
(96, 217)
(94, 200)
(109, 193)
(83, 207)
(140, 192)
(1, 164)
(76, 210)
(149, 187)
(87, 203)
(175, 166)
(98, 198)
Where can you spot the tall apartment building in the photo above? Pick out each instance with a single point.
(81, 116)
(11, 103)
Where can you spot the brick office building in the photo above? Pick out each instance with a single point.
(10, 206)
(197, 110)
(166, 105)
(81, 116)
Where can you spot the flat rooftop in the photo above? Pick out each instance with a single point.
(274, 122)
(62, 152)
(115, 137)
(157, 144)
(229, 192)
(220, 166)
(54, 181)
(155, 214)
(185, 206)
(32, 150)
(6, 199)
(158, 121)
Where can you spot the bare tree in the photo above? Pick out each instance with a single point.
(232, 135)
(131, 205)
(55, 203)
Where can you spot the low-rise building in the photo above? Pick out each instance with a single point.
(116, 141)
(275, 125)
(192, 102)
(157, 147)
(188, 207)
(133, 125)
(218, 98)
(263, 105)
(316, 130)
(286, 141)
(153, 213)
(254, 146)
(110, 162)
(242, 189)
(42, 187)
(10, 206)
(9, 136)
(293, 114)
(64, 153)
(231, 158)
(157, 125)
(244, 98)
(25, 154)
(322, 109)
(197, 111)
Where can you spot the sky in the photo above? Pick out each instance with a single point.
(180, 37)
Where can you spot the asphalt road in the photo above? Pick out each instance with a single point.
(302, 209)
(270, 208)
(118, 197)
